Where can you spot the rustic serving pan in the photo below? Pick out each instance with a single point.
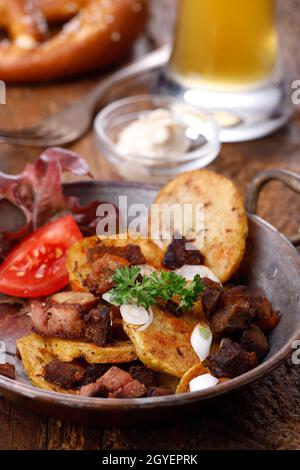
(271, 263)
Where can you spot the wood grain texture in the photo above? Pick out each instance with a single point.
(264, 415)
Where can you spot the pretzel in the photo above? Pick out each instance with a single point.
(55, 11)
(97, 34)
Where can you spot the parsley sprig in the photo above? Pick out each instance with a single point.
(144, 291)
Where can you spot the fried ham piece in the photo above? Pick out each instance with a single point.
(72, 315)
(235, 313)
(131, 253)
(266, 318)
(73, 375)
(8, 370)
(104, 260)
(62, 319)
(231, 360)
(177, 255)
(232, 310)
(253, 340)
(115, 383)
(241, 320)
(104, 380)
(211, 296)
(100, 279)
(97, 327)
(62, 314)
(64, 374)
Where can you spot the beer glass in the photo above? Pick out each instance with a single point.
(226, 58)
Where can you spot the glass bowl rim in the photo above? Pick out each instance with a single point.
(212, 145)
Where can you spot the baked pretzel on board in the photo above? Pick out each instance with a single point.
(95, 34)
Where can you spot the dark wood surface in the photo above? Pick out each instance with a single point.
(264, 415)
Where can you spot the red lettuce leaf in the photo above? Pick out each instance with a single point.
(38, 192)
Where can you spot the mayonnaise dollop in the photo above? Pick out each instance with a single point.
(156, 134)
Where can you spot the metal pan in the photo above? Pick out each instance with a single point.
(271, 263)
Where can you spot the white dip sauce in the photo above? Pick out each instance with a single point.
(156, 134)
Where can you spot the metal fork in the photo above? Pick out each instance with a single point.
(75, 120)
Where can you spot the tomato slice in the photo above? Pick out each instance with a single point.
(37, 266)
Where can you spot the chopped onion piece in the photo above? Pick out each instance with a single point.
(146, 269)
(189, 271)
(144, 327)
(134, 315)
(201, 339)
(107, 298)
(202, 381)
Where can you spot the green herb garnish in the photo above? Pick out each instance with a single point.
(144, 291)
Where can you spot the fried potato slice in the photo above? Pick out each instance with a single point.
(165, 345)
(35, 356)
(225, 218)
(191, 374)
(37, 351)
(66, 350)
(78, 266)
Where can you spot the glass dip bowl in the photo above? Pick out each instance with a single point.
(200, 129)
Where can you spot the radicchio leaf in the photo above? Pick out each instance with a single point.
(38, 192)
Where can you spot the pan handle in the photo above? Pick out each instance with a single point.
(288, 178)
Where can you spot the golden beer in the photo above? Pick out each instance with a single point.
(225, 44)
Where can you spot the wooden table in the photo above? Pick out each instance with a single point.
(264, 415)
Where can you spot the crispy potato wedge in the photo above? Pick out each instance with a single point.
(79, 268)
(191, 374)
(77, 264)
(66, 350)
(34, 358)
(225, 218)
(165, 345)
(36, 351)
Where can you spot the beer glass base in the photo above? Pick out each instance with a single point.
(242, 116)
